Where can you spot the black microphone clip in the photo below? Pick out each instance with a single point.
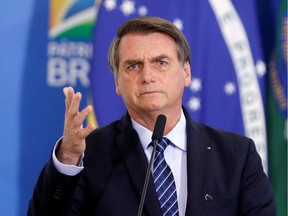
(159, 128)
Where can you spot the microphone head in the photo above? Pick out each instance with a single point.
(159, 128)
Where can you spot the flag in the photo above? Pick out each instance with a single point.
(57, 54)
(277, 113)
(228, 73)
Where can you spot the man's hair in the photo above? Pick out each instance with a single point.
(143, 25)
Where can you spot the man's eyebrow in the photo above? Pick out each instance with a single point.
(163, 56)
(140, 61)
(132, 61)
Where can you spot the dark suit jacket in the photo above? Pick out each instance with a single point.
(225, 177)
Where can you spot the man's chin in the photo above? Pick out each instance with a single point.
(153, 108)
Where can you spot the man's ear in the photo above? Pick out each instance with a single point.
(187, 71)
(116, 85)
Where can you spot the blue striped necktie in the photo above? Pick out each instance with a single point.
(164, 181)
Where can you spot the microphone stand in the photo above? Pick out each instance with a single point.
(156, 137)
(155, 142)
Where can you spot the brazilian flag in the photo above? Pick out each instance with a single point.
(277, 113)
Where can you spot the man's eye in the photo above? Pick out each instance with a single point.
(132, 66)
(162, 62)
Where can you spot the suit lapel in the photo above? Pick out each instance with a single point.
(198, 165)
(136, 163)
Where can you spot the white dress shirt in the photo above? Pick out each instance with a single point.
(175, 156)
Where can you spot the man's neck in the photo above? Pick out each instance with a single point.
(148, 119)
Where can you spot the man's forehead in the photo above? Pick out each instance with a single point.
(143, 35)
(145, 42)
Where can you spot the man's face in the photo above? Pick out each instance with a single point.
(150, 76)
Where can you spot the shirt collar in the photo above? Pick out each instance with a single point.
(177, 135)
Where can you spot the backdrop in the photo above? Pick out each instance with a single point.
(238, 67)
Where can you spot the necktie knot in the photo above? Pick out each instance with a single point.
(162, 145)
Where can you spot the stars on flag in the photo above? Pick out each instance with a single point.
(229, 88)
(127, 7)
(142, 11)
(109, 5)
(260, 68)
(195, 85)
(194, 104)
(178, 23)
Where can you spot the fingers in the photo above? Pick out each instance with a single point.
(74, 118)
(81, 116)
(72, 101)
(73, 142)
(75, 103)
(80, 119)
(68, 92)
(88, 130)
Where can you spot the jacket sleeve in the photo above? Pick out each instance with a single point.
(53, 193)
(256, 196)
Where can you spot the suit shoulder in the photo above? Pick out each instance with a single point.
(103, 132)
(225, 133)
(223, 138)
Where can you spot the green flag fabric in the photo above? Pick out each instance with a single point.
(277, 114)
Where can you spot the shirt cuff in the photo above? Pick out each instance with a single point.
(70, 170)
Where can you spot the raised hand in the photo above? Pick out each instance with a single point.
(73, 142)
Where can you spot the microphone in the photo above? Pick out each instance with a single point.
(159, 128)
(156, 138)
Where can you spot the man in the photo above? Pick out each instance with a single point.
(102, 171)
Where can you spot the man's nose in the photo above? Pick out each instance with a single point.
(148, 74)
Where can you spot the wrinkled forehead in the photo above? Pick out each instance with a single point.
(157, 43)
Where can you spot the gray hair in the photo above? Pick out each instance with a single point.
(148, 25)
